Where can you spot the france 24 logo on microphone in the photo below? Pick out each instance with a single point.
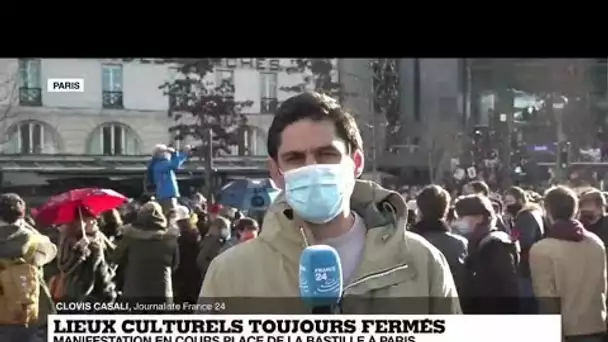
(65, 85)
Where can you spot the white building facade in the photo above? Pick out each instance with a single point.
(122, 111)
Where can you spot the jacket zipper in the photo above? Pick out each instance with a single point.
(375, 275)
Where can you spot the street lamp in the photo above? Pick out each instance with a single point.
(563, 146)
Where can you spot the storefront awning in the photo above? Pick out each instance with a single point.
(118, 164)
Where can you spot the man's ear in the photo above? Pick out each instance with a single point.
(359, 161)
(275, 173)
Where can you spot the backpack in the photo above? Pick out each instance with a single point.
(20, 282)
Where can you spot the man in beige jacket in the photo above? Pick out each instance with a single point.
(316, 155)
(570, 264)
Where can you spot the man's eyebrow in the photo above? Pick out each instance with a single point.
(292, 153)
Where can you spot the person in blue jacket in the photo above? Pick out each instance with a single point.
(161, 173)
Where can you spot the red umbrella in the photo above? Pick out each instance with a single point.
(63, 208)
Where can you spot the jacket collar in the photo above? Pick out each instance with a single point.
(383, 211)
(426, 226)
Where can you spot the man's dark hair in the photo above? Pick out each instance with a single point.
(561, 203)
(473, 205)
(433, 202)
(12, 207)
(518, 193)
(480, 187)
(316, 107)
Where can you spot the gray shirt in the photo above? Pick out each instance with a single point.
(350, 247)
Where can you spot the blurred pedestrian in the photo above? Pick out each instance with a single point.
(528, 227)
(111, 225)
(570, 266)
(23, 301)
(490, 285)
(246, 229)
(149, 253)
(593, 213)
(433, 203)
(187, 278)
(83, 260)
(217, 240)
(478, 187)
(161, 174)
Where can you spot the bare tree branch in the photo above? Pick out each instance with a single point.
(211, 106)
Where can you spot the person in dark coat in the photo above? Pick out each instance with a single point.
(490, 285)
(478, 187)
(217, 240)
(528, 227)
(187, 278)
(149, 253)
(433, 203)
(593, 213)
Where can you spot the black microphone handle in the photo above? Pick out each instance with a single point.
(322, 310)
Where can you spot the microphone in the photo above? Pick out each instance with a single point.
(321, 282)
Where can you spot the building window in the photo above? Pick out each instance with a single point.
(268, 91)
(30, 91)
(112, 86)
(224, 80)
(30, 137)
(114, 139)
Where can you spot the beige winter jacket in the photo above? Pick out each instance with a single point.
(400, 272)
(575, 272)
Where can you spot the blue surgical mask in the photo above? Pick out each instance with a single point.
(318, 192)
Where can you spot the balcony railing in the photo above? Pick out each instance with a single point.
(268, 105)
(112, 99)
(30, 97)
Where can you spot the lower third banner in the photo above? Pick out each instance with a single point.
(303, 328)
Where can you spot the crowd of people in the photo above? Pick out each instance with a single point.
(478, 253)
(138, 251)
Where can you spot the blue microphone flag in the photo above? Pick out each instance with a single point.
(320, 275)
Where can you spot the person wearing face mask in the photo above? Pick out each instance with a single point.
(246, 228)
(570, 265)
(315, 156)
(490, 285)
(479, 187)
(83, 260)
(217, 240)
(593, 213)
(528, 227)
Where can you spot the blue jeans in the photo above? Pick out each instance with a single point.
(16, 333)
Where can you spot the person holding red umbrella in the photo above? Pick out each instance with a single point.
(83, 260)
